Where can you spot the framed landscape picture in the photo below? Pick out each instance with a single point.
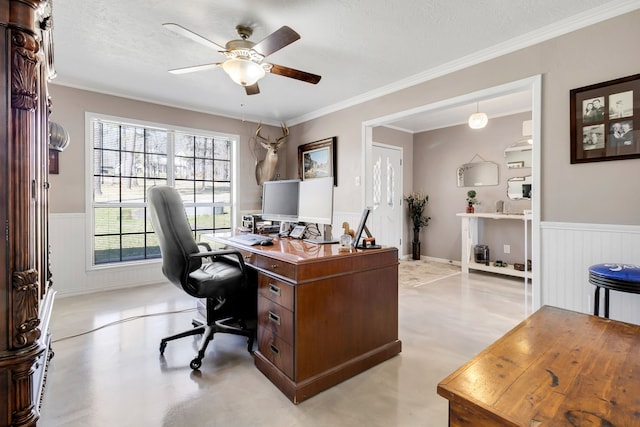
(318, 159)
(604, 121)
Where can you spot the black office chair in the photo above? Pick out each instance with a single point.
(220, 277)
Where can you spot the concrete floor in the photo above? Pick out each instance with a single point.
(115, 376)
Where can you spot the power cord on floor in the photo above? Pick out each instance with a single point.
(126, 319)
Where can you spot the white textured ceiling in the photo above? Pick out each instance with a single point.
(361, 48)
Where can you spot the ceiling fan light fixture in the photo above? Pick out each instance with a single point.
(478, 120)
(243, 71)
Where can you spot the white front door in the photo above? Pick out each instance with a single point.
(387, 207)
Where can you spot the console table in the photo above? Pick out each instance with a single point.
(323, 315)
(557, 367)
(469, 238)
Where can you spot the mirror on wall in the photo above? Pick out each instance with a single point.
(519, 188)
(477, 174)
(518, 155)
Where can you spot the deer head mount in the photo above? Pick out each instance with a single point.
(266, 168)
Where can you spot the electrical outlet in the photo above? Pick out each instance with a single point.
(507, 249)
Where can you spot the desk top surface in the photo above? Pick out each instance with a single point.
(295, 250)
(557, 367)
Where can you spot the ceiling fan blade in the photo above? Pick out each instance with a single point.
(180, 30)
(276, 41)
(253, 89)
(295, 74)
(194, 68)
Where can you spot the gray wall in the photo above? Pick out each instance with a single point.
(67, 194)
(437, 155)
(602, 192)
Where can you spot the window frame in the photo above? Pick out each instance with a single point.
(171, 129)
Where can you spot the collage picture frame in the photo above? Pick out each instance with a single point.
(604, 121)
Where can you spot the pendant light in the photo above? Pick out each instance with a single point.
(478, 120)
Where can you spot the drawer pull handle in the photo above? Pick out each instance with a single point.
(247, 257)
(274, 317)
(274, 266)
(274, 349)
(274, 289)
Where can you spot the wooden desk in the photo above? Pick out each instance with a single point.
(557, 368)
(323, 315)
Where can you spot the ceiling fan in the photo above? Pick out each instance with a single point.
(244, 63)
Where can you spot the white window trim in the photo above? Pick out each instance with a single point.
(88, 179)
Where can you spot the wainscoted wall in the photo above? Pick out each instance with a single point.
(68, 262)
(568, 249)
(353, 218)
(69, 252)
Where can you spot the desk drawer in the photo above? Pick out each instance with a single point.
(276, 350)
(275, 266)
(249, 257)
(275, 318)
(276, 290)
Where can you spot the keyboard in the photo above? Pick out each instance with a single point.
(250, 239)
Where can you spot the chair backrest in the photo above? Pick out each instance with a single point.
(174, 233)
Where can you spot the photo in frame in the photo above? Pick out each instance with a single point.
(318, 159)
(604, 121)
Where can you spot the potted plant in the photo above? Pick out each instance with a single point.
(471, 200)
(417, 202)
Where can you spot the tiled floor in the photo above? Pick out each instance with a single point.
(116, 377)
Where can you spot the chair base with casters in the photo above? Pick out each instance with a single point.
(229, 325)
(617, 277)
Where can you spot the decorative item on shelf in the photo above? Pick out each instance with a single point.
(417, 202)
(500, 206)
(481, 254)
(520, 267)
(471, 200)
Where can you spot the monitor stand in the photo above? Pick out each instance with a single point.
(363, 245)
(325, 239)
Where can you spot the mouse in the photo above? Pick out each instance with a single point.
(266, 243)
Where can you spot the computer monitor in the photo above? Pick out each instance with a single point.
(316, 206)
(280, 200)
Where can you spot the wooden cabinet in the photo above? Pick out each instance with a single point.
(26, 298)
(323, 315)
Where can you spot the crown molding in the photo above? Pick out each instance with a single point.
(565, 26)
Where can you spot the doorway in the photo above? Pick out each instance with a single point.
(532, 84)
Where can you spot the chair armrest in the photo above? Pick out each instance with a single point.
(204, 245)
(217, 254)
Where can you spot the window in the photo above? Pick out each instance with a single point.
(127, 158)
